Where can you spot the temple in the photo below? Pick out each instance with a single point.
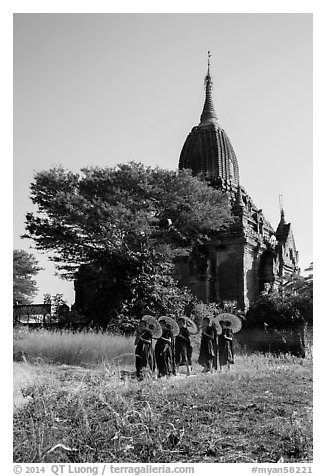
(249, 257)
(239, 262)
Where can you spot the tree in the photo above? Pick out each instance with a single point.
(298, 292)
(125, 223)
(56, 302)
(25, 267)
(47, 298)
(59, 308)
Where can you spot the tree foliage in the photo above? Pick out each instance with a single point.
(25, 267)
(126, 223)
(103, 212)
(56, 301)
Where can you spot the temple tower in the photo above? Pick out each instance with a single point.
(247, 258)
(208, 149)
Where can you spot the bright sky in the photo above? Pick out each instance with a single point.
(101, 89)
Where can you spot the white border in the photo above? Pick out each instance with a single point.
(100, 6)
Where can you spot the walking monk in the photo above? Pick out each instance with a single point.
(183, 349)
(225, 345)
(206, 352)
(163, 351)
(144, 350)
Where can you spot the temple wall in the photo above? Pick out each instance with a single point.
(251, 265)
(250, 274)
(229, 271)
(217, 275)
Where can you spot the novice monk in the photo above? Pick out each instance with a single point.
(183, 347)
(144, 350)
(168, 326)
(225, 345)
(215, 364)
(163, 351)
(206, 352)
(140, 329)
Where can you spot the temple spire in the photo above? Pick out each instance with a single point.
(282, 220)
(282, 215)
(208, 62)
(283, 227)
(239, 200)
(208, 115)
(239, 206)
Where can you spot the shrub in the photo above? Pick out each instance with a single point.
(279, 311)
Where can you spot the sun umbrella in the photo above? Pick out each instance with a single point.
(235, 321)
(217, 326)
(174, 326)
(153, 325)
(190, 325)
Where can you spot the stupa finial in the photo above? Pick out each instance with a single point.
(208, 115)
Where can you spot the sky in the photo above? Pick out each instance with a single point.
(101, 89)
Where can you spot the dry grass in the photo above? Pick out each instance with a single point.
(259, 412)
(64, 347)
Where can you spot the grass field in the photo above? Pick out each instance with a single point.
(260, 411)
(64, 347)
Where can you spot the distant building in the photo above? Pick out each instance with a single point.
(250, 256)
(32, 314)
(38, 315)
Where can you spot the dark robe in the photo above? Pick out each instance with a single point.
(144, 354)
(206, 352)
(173, 354)
(225, 348)
(215, 363)
(164, 354)
(183, 349)
(138, 334)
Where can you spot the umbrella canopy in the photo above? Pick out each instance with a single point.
(217, 325)
(235, 321)
(174, 326)
(190, 325)
(153, 325)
